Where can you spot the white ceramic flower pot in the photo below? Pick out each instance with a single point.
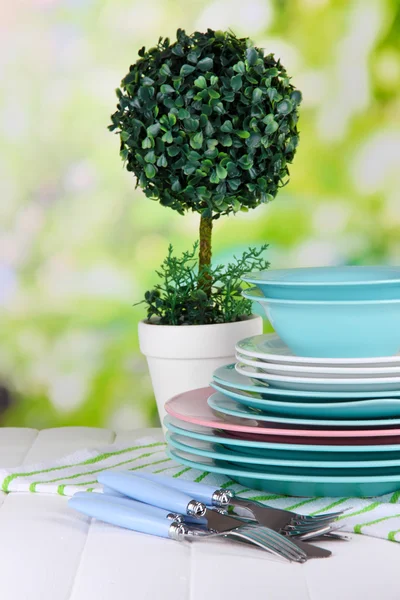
(183, 357)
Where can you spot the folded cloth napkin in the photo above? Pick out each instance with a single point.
(377, 517)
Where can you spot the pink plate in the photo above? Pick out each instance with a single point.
(192, 407)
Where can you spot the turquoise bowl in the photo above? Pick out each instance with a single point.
(334, 329)
(329, 283)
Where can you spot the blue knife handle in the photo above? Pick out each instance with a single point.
(146, 491)
(109, 492)
(186, 518)
(120, 515)
(121, 500)
(197, 491)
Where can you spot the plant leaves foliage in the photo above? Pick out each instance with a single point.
(216, 96)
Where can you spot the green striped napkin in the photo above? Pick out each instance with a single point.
(378, 517)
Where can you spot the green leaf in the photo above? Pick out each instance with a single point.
(171, 118)
(154, 130)
(147, 81)
(245, 162)
(186, 70)
(173, 150)
(189, 169)
(166, 89)
(227, 127)
(162, 161)
(235, 205)
(192, 57)
(239, 67)
(257, 95)
(124, 153)
(191, 124)
(205, 64)
(296, 97)
(124, 136)
(196, 141)
(178, 50)
(226, 140)
(221, 172)
(213, 80)
(285, 107)
(271, 124)
(273, 95)
(165, 70)
(150, 171)
(150, 157)
(176, 186)
(200, 82)
(168, 137)
(251, 56)
(236, 82)
(254, 141)
(212, 143)
(234, 184)
(183, 113)
(243, 134)
(213, 94)
(214, 177)
(147, 143)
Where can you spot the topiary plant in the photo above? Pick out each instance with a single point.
(207, 124)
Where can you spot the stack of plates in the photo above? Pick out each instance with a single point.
(296, 425)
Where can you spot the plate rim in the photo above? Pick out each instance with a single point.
(256, 276)
(282, 462)
(312, 422)
(319, 380)
(293, 478)
(288, 447)
(290, 357)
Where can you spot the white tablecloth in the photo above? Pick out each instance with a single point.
(49, 552)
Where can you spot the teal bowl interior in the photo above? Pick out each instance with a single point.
(329, 283)
(357, 329)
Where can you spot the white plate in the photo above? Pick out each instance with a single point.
(319, 371)
(270, 347)
(322, 384)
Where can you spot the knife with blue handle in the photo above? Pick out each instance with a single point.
(170, 515)
(162, 496)
(130, 515)
(276, 518)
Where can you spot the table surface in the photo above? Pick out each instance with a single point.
(48, 551)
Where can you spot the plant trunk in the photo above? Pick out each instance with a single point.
(205, 280)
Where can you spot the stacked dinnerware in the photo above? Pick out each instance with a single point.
(313, 410)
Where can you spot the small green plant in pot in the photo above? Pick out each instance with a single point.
(206, 124)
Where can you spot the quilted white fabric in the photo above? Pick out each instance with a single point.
(48, 552)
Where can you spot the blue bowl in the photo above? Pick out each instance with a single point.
(329, 283)
(321, 329)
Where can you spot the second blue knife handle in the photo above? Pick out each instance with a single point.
(122, 516)
(150, 492)
(198, 491)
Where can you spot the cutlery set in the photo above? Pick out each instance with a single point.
(182, 510)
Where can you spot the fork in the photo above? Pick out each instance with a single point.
(155, 521)
(278, 519)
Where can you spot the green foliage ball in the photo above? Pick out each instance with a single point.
(207, 123)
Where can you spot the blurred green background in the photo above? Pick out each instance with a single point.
(78, 244)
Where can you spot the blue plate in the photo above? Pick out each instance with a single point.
(230, 378)
(227, 406)
(295, 484)
(198, 432)
(330, 329)
(220, 452)
(329, 283)
(357, 409)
